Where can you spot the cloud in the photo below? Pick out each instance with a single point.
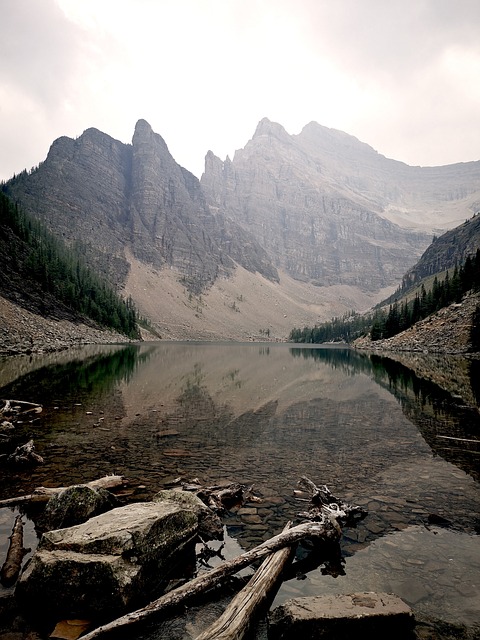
(402, 77)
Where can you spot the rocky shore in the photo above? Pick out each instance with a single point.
(447, 331)
(24, 332)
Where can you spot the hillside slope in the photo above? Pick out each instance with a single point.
(23, 332)
(447, 331)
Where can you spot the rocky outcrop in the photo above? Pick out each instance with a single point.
(447, 251)
(167, 214)
(108, 197)
(107, 564)
(80, 193)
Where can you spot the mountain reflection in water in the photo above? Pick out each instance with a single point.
(374, 430)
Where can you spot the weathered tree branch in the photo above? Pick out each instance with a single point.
(325, 504)
(24, 455)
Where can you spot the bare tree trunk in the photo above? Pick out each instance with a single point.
(235, 621)
(320, 531)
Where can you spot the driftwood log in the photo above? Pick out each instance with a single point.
(43, 494)
(24, 455)
(235, 622)
(16, 407)
(324, 504)
(318, 531)
(13, 563)
(326, 515)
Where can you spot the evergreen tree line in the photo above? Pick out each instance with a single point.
(442, 293)
(383, 324)
(61, 272)
(344, 329)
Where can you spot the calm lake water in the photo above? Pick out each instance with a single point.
(371, 429)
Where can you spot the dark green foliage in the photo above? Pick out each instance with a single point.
(345, 329)
(47, 264)
(404, 315)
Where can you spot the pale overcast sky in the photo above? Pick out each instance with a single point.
(400, 75)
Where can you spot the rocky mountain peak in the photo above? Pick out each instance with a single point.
(272, 129)
(212, 162)
(319, 139)
(298, 203)
(142, 126)
(145, 136)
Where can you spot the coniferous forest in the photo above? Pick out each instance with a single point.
(400, 316)
(30, 252)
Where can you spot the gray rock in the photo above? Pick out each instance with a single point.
(110, 194)
(320, 206)
(75, 505)
(107, 564)
(210, 526)
(338, 617)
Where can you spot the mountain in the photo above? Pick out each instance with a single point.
(109, 196)
(329, 209)
(448, 250)
(293, 230)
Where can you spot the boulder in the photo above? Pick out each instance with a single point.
(341, 617)
(210, 526)
(108, 564)
(74, 505)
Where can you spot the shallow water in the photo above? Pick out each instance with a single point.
(266, 414)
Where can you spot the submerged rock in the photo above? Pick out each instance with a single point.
(108, 564)
(341, 617)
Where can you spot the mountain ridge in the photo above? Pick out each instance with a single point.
(285, 210)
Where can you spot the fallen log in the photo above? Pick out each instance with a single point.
(235, 622)
(43, 494)
(24, 455)
(13, 563)
(319, 531)
(19, 406)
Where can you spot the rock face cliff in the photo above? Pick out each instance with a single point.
(108, 196)
(329, 209)
(450, 249)
(293, 230)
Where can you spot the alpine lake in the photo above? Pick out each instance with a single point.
(399, 437)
